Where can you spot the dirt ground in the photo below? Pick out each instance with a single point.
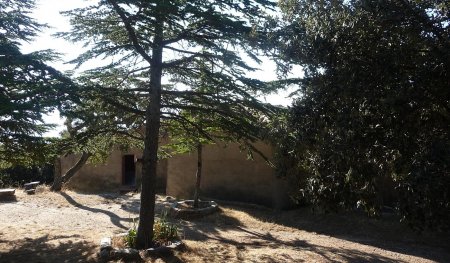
(68, 226)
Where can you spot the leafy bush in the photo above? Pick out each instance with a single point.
(18, 175)
(130, 238)
(164, 231)
(373, 109)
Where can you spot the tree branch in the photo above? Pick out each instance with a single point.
(131, 32)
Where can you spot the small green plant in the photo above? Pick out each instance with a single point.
(130, 238)
(164, 231)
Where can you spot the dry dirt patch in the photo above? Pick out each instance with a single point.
(67, 227)
(64, 225)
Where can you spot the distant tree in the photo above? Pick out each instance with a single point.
(95, 149)
(29, 88)
(189, 139)
(374, 104)
(199, 128)
(148, 39)
(92, 136)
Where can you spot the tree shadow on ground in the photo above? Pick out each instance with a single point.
(273, 250)
(201, 228)
(211, 228)
(49, 249)
(168, 257)
(8, 199)
(115, 219)
(385, 233)
(171, 259)
(131, 204)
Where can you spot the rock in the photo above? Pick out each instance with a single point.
(158, 251)
(164, 250)
(104, 254)
(107, 252)
(176, 245)
(125, 253)
(105, 244)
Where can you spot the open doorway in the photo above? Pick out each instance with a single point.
(129, 170)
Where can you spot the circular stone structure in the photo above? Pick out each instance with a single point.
(185, 209)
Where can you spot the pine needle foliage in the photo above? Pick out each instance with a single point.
(155, 50)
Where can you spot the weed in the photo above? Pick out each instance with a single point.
(130, 238)
(164, 231)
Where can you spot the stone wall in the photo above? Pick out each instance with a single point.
(227, 174)
(108, 176)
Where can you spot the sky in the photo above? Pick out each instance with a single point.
(48, 12)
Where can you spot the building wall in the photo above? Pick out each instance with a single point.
(94, 177)
(227, 174)
(108, 176)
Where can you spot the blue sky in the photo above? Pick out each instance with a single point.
(48, 11)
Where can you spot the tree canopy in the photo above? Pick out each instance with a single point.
(29, 88)
(157, 49)
(374, 104)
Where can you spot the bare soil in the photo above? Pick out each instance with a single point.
(68, 226)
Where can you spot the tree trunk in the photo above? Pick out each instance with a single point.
(150, 158)
(199, 174)
(57, 176)
(60, 180)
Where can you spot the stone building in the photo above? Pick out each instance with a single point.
(227, 174)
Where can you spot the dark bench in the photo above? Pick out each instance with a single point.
(7, 192)
(30, 188)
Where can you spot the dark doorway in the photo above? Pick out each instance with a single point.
(129, 170)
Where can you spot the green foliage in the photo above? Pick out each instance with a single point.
(130, 238)
(286, 159)
(18, 175)
(206, 80)
(373, 109)
(146, 40)
(164, 231)
(88, 131)
(28, 88)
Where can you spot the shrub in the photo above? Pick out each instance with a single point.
(130, 238)
(18, 175)
(163, 232)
